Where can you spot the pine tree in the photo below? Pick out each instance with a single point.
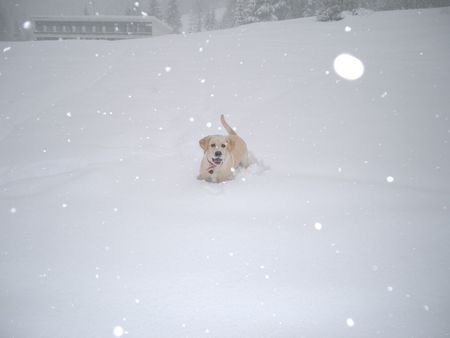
(251, 11)
(265, 10)
(240, 12)
(132, 9)
(89, 8)
(173, 18)
(210, 20)
(3, 23)
(154, 9)
(283, 9)
(245, 12)
(228, 17)
(329, 10)
(196, 18)
(300, 8)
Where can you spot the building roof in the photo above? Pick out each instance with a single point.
(101, 18)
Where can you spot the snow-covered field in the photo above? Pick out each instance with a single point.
(340, 229)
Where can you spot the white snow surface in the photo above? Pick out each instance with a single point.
(105, 229)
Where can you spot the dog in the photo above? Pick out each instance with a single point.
(222, 155)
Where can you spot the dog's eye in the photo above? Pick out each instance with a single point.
(213, 145)
(223, 145)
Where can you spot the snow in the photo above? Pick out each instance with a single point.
(350, 322)
(118, 331)
(348, 66)
(318, 226)
(323, 148)
(27, 25)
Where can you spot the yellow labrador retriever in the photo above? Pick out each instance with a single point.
(222, 155)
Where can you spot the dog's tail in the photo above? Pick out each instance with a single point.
(227, 126)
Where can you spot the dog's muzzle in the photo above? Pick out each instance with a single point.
(217, 160)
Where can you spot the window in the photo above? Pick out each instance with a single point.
(131, 27)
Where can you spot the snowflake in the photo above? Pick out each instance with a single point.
(350, 322)
(118, 331)
(26, 25)
(348, 67)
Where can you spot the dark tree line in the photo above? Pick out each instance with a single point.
(241, 12)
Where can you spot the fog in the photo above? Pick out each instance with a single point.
(14, 12)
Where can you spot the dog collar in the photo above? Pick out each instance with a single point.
(212, 166)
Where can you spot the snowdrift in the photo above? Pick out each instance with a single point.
(339, 229)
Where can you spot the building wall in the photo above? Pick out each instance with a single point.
(113, 28)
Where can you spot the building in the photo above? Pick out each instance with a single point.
(97, 27)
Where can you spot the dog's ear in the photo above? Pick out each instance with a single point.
(204, 142)
(231, 140)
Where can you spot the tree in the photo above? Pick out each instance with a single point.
(329, 10)
(265, 10)
(89, 8)
(240, 12)
(251, 16)
(210, 20)
(133, 8)
(283, 9)
(3, 22)
(228, 17)
(302, 8)
(173, 18)
(196, 18)
(155, 9)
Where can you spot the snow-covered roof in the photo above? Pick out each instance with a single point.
(100, 18)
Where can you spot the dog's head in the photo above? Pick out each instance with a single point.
(217, 147)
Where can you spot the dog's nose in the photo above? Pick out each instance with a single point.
(218, 153)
